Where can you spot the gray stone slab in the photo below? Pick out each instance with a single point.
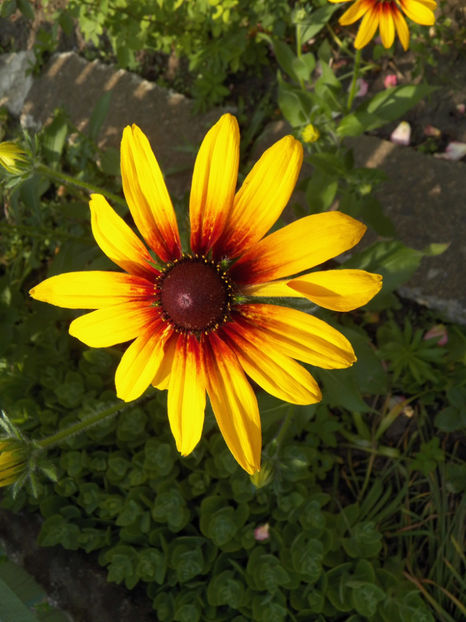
(425, 198)
(167, 118)
(15, 79)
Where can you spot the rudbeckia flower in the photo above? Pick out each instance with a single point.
(13, 458)
(387, 15)
(195, 317)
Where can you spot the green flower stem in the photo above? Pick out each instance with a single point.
(275, 444)
(80, 426)
(72, 181)
(352, 92)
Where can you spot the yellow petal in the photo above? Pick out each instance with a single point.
(355, 12)
(299, 335)
(116, 324)
(386, 25)
(186, 394)
(339, 290)
(147, 195)
(161, 380)
(338, 1)
(92, 290)
(234, 404)
(275, 372)
(367, 28)
(117, 240)
(214, 183)
(401, 28)
(141, 361)
(299, 246)
(262, 197)
(418, 11)
(432, 4)
(271, 289)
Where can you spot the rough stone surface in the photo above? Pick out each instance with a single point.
(167, 118)
(425, 199)
(15, 81)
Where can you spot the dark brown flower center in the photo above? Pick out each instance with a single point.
(194, 294)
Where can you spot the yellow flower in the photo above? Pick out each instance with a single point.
(10, 155)
(387, 15)
(12, 460)
(310, 134)
(193, 318)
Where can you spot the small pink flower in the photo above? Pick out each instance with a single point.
(454, 151)
(430, 130)
(401, 135)
(362, 87)
(262, 532)
(390, 80)
(439, 330)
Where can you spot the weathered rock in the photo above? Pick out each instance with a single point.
(167, 118)
(425, 199)
(15, 80)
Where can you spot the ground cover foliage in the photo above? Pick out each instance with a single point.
(358, 512)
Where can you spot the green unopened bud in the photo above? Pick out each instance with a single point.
(263, 477)
(12, 157)
(13, 460)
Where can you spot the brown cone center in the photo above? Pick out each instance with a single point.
(194, 295)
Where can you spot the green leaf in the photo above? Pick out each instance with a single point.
(295, 105)
(341, 389)
(303, 66)
(26, 9)
(98, 116)
(320, 192)
(221, 526)
(286, 58)
(396, 262)
(225, 589)
(8, 8)
(365, 540)
(450, 419)
(265, 572)
(366, 597)
(307, 556)
(12, 608)
(151, 565)
(386, 106)
(54, 138)
(188, 562)
(317, 20)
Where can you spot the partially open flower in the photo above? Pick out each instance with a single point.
(310, 134)
(11, 157)
(13, 460)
